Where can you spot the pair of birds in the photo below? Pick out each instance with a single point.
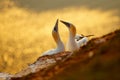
(75, 41)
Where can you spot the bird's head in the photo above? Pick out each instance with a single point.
(70, 26)
(79, 36)
(55, 31)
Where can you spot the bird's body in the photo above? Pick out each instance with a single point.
(75, 41)
(60, 46)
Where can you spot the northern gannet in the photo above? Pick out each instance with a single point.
(56, 37)
(71, 44)
(82, 40)
(75, 41)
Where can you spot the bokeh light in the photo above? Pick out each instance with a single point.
(25, 34)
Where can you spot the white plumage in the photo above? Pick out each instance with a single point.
(82, 40)
(60, 46)
(75, 41)
(71, 44)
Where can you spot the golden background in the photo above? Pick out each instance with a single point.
(26, 26)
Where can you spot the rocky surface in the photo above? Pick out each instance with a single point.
(98, 60)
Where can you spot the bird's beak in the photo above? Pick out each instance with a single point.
(89, 35)
(66, 23)
(56, 26)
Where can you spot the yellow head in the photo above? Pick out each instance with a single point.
(55, 33)
(70, 26)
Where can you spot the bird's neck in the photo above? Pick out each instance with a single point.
(60, 46)
(71, 37)
(71, 45)
(58, 41)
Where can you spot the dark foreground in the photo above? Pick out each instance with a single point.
(98, 60)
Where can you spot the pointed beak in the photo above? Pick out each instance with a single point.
(66, 23)
(89, 35)
(56, 26)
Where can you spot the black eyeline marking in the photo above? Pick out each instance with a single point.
(66, 23)
(80, 37)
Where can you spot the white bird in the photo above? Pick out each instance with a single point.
(78, 37)
(82, 40)
(60, 46)
(75, 41)
(71, 44)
